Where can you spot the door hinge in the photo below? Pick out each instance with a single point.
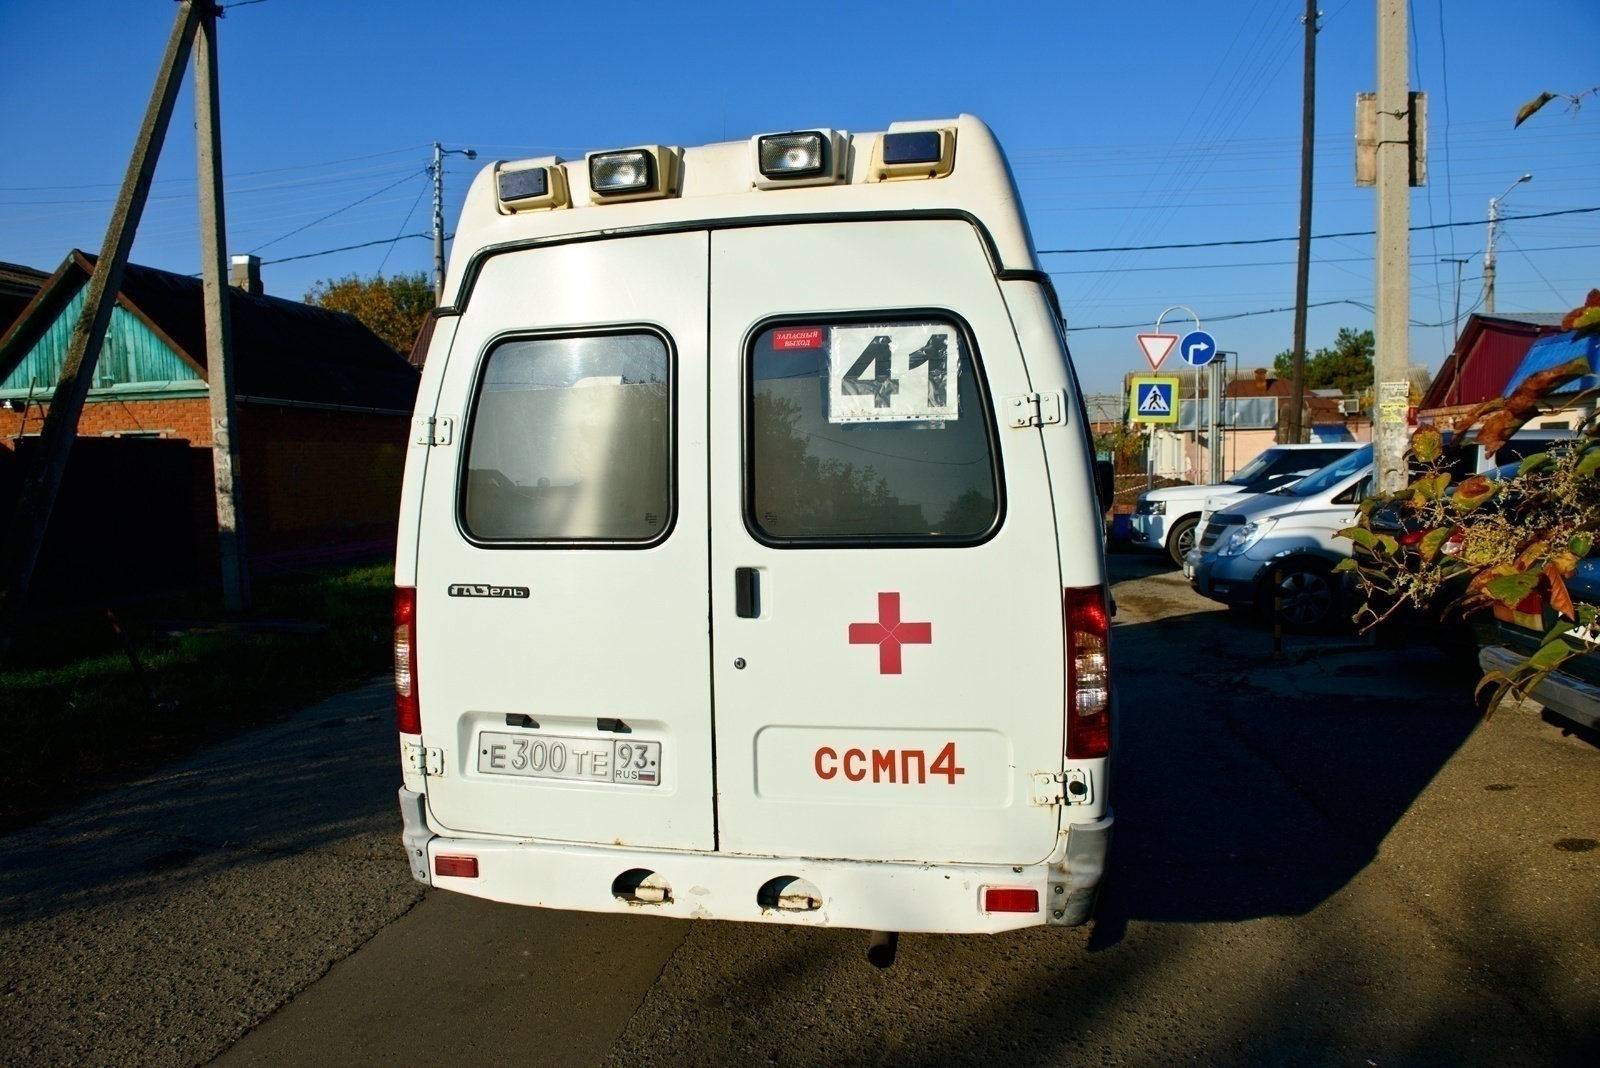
(424, 761)
(1062, 788)
(433, 430)
(1035, 409)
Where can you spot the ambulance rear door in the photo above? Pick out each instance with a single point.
(887, 650)
(561, 567)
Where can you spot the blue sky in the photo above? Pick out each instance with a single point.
(1127, 124)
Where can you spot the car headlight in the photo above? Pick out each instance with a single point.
(1152, 507)
(1243, 539)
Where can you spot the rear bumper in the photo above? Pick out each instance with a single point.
(1562, 694)
(869, 895)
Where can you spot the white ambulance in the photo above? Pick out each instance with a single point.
(750, 562)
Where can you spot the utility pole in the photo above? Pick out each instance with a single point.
(219, 326)
(1393, 248)
(1488, 254)
(1302, 283)
(436, 172)
(34, 505)
(1455, 328)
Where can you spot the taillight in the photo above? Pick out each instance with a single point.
(1412, 537)
(1452, 544)
(1088, 673)
(407, 711)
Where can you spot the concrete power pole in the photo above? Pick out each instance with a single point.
(1302, 283)
(219, 327)
(1488, 254)
(1393, 248)
(37, 499)
(436, 172)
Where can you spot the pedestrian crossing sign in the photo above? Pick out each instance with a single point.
(1153, 399)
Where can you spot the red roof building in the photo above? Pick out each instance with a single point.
(1488, 351)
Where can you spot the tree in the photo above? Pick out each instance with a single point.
(1346, 367)
(393, 307)
(1492, 541)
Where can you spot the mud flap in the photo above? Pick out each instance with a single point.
(414, 814)
(1075, 881)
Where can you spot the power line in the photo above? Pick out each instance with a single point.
(406, 222)
(1314, 237)
(1507, 239)
(1260, 311)
(346, 248)
(339, 211)
(230, 174)
(1222, 318)
(1416, 261)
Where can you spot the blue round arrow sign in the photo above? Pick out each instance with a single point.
(1197, 348)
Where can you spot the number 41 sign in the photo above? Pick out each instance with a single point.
(897, 373)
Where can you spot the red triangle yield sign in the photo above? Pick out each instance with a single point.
(1156, 347)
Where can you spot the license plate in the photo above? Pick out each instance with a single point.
(543, 756)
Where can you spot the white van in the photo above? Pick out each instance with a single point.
(751, 562)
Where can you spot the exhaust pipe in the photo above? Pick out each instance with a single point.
(881, 947)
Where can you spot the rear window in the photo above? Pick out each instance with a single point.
(869, 430)
(571, 440)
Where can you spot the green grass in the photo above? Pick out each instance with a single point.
(74, 717)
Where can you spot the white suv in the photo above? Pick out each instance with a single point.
(1168, 518)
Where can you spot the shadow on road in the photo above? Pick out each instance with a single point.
(1245, 921)
(1248, 786)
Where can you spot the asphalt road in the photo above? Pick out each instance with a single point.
(1322, 860)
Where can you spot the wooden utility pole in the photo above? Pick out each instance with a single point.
(1393, 248)
(219, 327)
(26, 533)
(1302, 282)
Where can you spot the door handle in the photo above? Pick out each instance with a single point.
(746, 592)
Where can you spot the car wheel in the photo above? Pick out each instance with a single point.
(1309, 595)
(1180, 539)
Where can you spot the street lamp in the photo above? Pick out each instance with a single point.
(1488, 255)
(436, 172)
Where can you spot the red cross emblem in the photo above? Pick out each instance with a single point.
(888, 634)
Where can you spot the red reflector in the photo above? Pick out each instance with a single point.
(408, 711)
(458, 867)
(1412, 537)
(1010, 899)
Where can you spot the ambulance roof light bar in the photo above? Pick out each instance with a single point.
(531, 185)
(902, 154)
(647, 172)
(799, 158)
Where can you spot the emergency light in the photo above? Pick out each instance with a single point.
(913, 154)
(640, 173)
(921, 146)
(532, 185)
(799, 157)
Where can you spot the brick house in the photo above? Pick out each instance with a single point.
(324, 409)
